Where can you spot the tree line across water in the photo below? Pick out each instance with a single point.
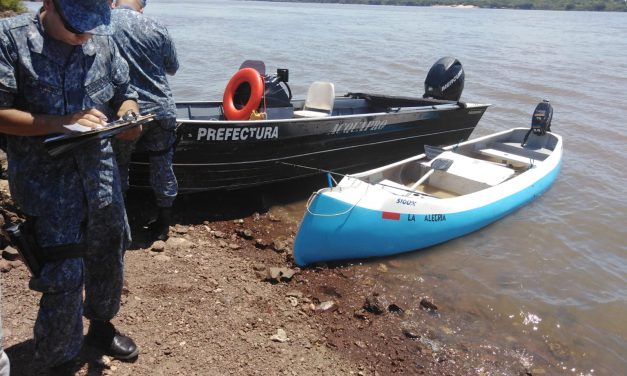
(594, 5)
(590, 5)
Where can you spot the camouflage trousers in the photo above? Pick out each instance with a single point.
(157, 140)
(58, 329)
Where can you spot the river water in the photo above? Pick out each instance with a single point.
(551, 276)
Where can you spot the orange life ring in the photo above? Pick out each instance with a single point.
(243, 76)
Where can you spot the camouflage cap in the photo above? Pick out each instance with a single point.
(87, 16)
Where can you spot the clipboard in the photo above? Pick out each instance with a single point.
(61, 143)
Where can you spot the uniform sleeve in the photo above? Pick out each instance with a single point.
(171, 61)
(120, 78)
(8, 81)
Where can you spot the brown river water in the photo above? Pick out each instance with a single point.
(551, 276)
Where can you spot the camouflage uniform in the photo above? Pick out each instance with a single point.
(147, 47)
(76, 198)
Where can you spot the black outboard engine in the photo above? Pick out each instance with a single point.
(445, 80)
(278, 95)
(541, 120)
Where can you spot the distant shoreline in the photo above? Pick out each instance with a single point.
(563, 5)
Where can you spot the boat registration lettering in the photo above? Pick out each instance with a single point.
(435, 218)
(237, 133)
(358, 126)
(405, 202)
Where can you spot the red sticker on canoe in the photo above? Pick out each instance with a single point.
(390, 215)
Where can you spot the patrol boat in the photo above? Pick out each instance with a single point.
(259, 135)
(432, 197)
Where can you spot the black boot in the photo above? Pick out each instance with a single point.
(160, 228)
(64, 369)
(104, 336)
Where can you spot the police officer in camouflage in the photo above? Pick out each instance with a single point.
(58, 67)
(149, 50)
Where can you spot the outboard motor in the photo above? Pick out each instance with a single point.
(541, 120)
(278, 96)
(445, 80)
(277, 92)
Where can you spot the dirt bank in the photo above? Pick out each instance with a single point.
(205, 303)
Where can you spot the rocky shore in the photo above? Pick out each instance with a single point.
(222, 296)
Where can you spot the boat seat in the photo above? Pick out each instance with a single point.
(523, 151)
(513, 160)
(467, 175)
(319, 101)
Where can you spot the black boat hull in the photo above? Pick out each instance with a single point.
(217, 154)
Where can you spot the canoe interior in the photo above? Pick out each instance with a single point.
(480, 165)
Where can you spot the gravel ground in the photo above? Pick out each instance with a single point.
(222, 296)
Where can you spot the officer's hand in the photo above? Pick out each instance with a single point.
(91, 118)
(130, 134)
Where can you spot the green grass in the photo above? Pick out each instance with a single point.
(12, 5)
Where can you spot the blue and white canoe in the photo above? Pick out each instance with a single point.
(419, 202)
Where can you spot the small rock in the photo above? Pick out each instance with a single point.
(361, 314)
(374, 305)
(279, 246)
(295, 294)
(259, 267)
(180, 229)
(238, 221)
(218, 234)
(158, 246)
(104, 362)
(5, 266)
(162, 257)
(234, 246)
(428, 305)
(327, 306)
(261, 244)
(178, 243)
(275, 274)
(559, 350)
(382, 268)
(10, 254)
(280, 336)
(244, 233)
(395, 309)
(273, 218)
(410, 333)
(361, 344)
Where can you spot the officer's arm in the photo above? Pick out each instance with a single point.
(22, 123)
(171, 61)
